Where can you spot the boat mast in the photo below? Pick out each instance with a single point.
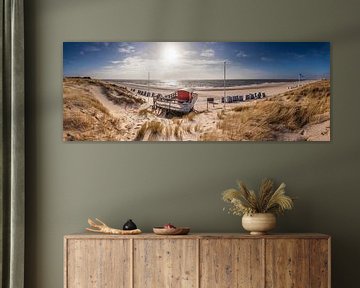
(224, 83)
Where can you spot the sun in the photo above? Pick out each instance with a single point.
(170, 54)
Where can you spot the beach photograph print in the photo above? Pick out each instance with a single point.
(196, 91)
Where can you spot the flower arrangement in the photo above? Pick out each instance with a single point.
(246, 202)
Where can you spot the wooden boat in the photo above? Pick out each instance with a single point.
(182, 100)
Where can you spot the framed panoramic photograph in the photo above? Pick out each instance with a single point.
(196, 91)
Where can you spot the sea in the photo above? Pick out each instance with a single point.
(198, 84)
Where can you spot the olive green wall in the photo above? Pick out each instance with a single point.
(154, 183)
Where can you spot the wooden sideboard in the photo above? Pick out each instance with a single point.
(197, 260)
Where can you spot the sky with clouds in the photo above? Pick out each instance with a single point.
(196, 60)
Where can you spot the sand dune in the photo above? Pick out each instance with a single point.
(132, 117)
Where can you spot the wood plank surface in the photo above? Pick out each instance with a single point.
(88, 235)
(287, 263)
(98, 264)
(170, 263)
(231, 263)
(319, 263)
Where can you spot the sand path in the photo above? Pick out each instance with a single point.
(318, 132)
(132, 122)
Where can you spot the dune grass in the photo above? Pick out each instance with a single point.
(191, 116)
(76, 122)
(163, 131)
(81, 99)
(143, 112)
(265, 120)
(85, 118)
(117, 94)
(152, 129)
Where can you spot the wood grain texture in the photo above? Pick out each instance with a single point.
(319, 263)
(98, 264)
(200, 260)
(231, 263)
(287, 263)
(164, 263)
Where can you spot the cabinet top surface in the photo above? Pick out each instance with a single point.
(86, 235)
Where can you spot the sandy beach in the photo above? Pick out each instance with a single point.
(270, 89)
(129, 116)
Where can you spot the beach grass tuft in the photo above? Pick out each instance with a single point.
(191, 116)
(154, 130)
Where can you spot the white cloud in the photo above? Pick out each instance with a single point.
(189, 53)
(241, 54)
(207, 53)
(136, 67)
(127, 49)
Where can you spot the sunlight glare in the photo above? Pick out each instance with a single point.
(170, 53)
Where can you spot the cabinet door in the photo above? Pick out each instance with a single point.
(320, 263)
(98, 263)
(231, 263)
(287, 263)
(166, 263)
